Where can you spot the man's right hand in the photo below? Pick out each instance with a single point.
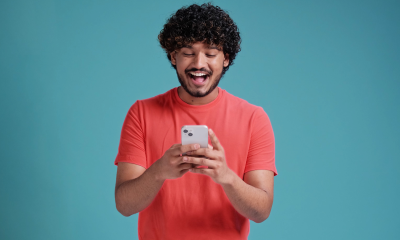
(135, 187)
(170, 165)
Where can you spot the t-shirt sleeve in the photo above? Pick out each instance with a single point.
(132, 145)
(261, 154)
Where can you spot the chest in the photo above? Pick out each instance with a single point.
(232, 130)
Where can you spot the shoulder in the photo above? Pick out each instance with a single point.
(155, 102)
(241, 105)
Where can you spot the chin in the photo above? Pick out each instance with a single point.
(195, 92)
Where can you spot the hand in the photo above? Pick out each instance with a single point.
(213, 158)
(170, 165)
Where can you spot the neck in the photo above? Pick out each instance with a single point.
(187, 98)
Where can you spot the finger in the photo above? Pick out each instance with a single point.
(184, 171)
(175, 146)
(185, 148)
(209, 146)
(206, 152)
(214, 140)
(184, 166)
(200, 161)
(204, 171)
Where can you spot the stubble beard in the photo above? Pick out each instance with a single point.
(199, 94)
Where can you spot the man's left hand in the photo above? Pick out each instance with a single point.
(213, 158)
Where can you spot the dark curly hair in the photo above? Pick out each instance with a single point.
(206, 23)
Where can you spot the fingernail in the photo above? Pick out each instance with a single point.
(197, 146)
(185, 159)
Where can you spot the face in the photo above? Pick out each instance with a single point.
(199, 67)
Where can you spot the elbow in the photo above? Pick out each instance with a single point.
(125, 214)
(264, 214)
(121, 205)
(261, 218)
(123, 211)
(121, 208)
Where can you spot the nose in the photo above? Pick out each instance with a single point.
(199, 61)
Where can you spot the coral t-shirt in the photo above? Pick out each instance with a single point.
(194, 206)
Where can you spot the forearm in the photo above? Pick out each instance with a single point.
(135, 195)
(251, 202)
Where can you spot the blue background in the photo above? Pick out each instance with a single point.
(326, 72)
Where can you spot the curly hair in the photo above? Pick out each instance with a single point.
(206, 23)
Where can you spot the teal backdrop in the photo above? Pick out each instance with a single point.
(326, 72)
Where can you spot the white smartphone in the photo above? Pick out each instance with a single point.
(195, 134)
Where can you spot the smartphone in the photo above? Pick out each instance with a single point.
(195, 134)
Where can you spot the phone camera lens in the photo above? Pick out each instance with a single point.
(185, 131)
(190, 134)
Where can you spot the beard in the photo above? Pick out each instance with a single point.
(195, 93)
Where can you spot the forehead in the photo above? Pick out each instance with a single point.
(201, 46)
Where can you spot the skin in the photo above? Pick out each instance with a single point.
(199, 56)
(136, 187)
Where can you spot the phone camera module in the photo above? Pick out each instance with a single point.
(185, 131)
(190, 134)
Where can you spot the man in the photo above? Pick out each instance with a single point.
(210, 193)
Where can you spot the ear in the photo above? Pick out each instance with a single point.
(173, 57)
(226, 60)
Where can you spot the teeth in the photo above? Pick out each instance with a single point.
(198, 74)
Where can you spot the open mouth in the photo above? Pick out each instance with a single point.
(198, 78)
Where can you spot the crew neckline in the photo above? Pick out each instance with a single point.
(198, 107)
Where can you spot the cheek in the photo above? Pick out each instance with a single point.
(218, 65)
(181, 65)
(220, 62)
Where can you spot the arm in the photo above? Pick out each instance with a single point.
(252, 197)
(136, 187)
